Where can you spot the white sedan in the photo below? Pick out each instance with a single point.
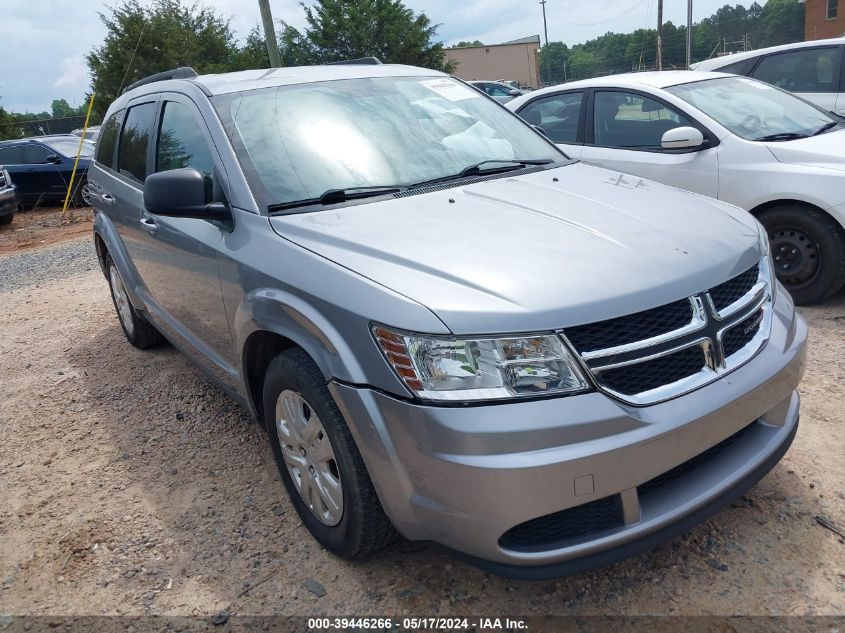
(732, 138)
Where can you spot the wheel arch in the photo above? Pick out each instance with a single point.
(259, 349)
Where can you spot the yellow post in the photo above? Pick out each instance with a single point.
(78, 152)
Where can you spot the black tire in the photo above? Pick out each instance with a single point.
(6, 219)
(137, 330)
(809, 251)
(363, 528)
(79, 194)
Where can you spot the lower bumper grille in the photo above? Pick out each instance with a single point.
(564, 527)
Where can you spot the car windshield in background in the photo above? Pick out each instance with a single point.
(296, 143)
(69, 147)
(754, 110)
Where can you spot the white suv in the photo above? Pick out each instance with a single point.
(812, 70)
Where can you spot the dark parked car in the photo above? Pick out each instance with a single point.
(41, 168)
(8, 198)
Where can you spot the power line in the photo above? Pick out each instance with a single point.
(615, 17)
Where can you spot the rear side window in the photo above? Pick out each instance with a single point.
(11, 155)
(558, 115)
(134, 140)
(108, 139)
(813, 70)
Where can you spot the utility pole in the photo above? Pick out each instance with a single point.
(546, 33)
(689, 33)
(545, 27)
(270, 34)
(659, 34)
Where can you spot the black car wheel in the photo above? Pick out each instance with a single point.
(808, 248)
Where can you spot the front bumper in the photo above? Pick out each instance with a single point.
(8, 201)
(465, 476)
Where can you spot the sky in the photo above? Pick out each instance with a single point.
(44, 43)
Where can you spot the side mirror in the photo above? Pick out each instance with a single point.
(180, 193)
(513, 92)
(52, 159)
(682, 138)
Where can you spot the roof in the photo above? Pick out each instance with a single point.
(253, 79)
(718, 62)
(40, 139)
(531, 39)
(662, 79)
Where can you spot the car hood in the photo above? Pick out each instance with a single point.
(533, 252)
(826, 151)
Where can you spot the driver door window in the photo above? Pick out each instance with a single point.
(633, 121)
(181, 143)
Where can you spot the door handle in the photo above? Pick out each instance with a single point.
(149, 225)
(107, 198)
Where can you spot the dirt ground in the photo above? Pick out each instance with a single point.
(44, 226)
(131, 485)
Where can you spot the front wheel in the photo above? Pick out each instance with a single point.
(319, 461)
(808, 248)
(6, 219)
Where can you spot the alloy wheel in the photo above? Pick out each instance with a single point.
(121, 301)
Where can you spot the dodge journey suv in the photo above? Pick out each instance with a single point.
(448, 329)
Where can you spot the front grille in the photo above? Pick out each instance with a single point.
(634, 327)
(670, 476)
(558, 529)
(651, 374)
(741, 334)
(734, 289)
(634, 355)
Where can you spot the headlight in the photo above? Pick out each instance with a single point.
(767, 260)
(455, 369)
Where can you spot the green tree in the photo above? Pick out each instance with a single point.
(348, 29)
(162, 35)
(253, 53)
(464, 44)
(60, 108)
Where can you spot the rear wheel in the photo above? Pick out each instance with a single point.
(319, 461)
(808, 248)
(136, 328)
(6, 219)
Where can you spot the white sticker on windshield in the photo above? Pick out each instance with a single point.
(755, 84)
(450, 89)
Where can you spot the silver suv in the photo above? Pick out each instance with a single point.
(449, 330)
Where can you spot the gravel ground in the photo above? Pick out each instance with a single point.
(35, 267)
(131, 485)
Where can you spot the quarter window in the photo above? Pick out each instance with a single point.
(11, 155)
(108, 139)
(132, 155)
(812, 70)
(629, 120)
(558, 115)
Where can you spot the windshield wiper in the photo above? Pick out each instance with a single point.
(826, 127)
(336, 196)
(508, 164)
(782, 136)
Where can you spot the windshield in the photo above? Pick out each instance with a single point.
(297, 142)
(753, 110)
(69, 147)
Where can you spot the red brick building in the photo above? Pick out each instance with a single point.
(824, 19)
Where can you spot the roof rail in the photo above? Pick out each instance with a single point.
(183, 72)
(361, 60)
